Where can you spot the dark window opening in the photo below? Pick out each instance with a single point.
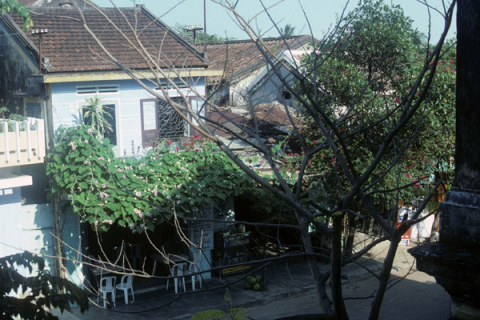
(111, 119)
(33, 110)
(107, 89)
(97, 89)
(180, 83)
(287, 95)
(87, 90)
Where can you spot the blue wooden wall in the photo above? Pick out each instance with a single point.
(66, 103)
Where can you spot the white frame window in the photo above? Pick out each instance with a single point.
(102, 89)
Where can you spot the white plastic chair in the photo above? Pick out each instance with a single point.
(125, 284)
(192, 269)
(177, 271)
(107, 284)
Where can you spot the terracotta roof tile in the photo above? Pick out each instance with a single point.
(240, 56)
(71, 48)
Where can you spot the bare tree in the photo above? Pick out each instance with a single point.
(331, 199)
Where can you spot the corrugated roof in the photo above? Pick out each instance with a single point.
(71, 48)
(269, 116)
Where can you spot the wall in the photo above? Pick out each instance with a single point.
(66, 103)
(16, 68)
(239, 87)
(28, 229)
(9, 209)
(70, 222)
(271, 89)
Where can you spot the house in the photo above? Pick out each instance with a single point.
(49, 72)
(53, 3)
(249, 79)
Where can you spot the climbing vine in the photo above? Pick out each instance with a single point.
(139, 192)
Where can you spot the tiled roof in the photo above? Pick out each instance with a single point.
(52, 3)
(242, 56)
(70, 48)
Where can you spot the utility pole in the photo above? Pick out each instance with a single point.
(193, 29)
(57, 230)
(40, 32)
(205, 24)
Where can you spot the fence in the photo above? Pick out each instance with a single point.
(22, 142)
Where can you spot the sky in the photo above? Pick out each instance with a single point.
(321, 15)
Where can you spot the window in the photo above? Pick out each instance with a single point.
(97, 89)
(287, 95)
(112, 120)
(178, 82)
(160, 120)
(33, 110)
(149, 117)
(171, 124)
(109, 114)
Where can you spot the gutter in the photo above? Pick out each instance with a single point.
(120, 75)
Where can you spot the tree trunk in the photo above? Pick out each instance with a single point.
(339, 309)
(58, 245)
(350, 235)
(325, 302)
(384, 277)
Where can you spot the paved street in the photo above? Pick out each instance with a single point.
(290, 292)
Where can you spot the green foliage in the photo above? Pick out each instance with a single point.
(200, 36)
(288, 31)
(13, 117)
(379, 40)
(139, 193)
(362, 87)
(96, 115)
(267, 208)
(230, 314)
(36, 293)
(14, 6)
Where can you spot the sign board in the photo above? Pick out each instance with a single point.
(201, 232)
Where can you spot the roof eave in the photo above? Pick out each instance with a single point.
(120, 75)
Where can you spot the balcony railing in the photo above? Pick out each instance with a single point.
(22, 142)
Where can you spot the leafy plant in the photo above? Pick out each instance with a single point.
(288, 31)
(142, 192)
(7, 6)
(12, 117)
(32, 297)
(365, 81)
(228, 314)
(96, 115)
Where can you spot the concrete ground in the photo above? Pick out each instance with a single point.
(412, 294)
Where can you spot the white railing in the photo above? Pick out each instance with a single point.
(22, 142)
